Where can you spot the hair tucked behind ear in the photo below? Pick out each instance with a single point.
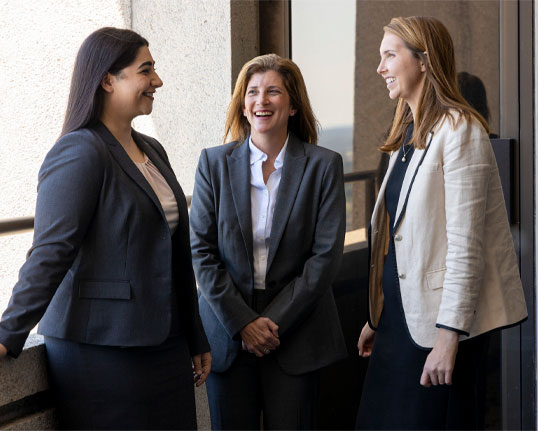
(106, 50)
(429, 40)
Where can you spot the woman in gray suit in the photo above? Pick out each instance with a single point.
(109, 273)
(443, 271)
(267, 233)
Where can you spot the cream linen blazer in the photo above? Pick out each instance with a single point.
(457, 266)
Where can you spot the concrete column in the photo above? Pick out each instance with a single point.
(39, 41)
(275, 27)
(199, 47)
(191, 44)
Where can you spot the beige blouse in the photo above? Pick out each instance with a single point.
(162, 190)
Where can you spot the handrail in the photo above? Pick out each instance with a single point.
(360, 176)
(25, 224)
(371, 178)
(16, 225)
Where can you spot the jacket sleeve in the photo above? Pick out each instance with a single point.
(68, 191)
(196, 337)
(297, 299)
(467, 164)
(214, 281)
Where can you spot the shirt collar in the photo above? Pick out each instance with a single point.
(256, 154)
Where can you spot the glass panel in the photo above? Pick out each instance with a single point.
(323, 46)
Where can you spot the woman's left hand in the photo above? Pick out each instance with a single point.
(440, 362)
(201, 367)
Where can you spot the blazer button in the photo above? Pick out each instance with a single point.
(397, 237)
(401, 275)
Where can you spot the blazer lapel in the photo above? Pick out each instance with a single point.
(239, 174)
(290, 180)
(127, 164)
(408, 181)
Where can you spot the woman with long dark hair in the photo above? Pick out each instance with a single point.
(443, 270)
(109, 274)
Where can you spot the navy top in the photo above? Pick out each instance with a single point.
(394, 184)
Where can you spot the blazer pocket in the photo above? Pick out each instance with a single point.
(113, 289)
(435, 279)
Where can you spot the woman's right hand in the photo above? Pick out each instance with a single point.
(366, 341)
(3, 351)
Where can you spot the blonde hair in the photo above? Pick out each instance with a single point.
(428, 40)
(303, 123)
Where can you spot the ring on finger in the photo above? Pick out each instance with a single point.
(266, 350)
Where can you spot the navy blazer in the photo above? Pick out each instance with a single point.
(306, 246)
(104, 268)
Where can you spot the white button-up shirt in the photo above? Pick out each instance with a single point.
(262, 202)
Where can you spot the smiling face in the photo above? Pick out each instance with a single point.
(131, 91)
(267, 106)
(403, 73)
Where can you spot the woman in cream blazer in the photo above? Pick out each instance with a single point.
(443, 271)
(456, 262)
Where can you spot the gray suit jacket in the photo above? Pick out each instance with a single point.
(306, 246)
(104, 268)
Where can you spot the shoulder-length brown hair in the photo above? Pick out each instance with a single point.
(428, 40)
(303, 123)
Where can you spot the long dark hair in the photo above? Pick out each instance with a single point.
(106, 50)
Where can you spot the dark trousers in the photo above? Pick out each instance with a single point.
(101, 387)
(253, 385)
(255, 388)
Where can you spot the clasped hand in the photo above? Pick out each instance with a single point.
(260, 336)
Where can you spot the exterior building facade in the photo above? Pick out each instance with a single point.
(199, 47)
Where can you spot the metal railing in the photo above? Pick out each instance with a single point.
(371, 179)
(17, 225)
